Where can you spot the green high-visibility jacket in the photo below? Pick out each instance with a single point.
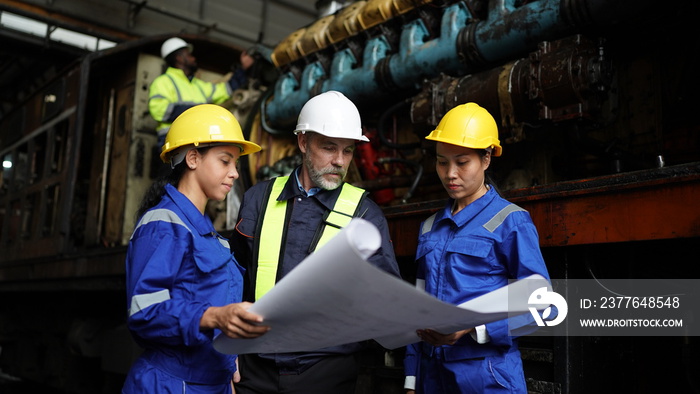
(172, 92)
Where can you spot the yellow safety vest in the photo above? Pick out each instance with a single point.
(273, 229)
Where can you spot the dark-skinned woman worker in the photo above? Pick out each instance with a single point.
(474, 245)
(183, 284)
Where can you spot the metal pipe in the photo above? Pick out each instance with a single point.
(381, 128)
(463, 46)
(263, 20)
(419, 174)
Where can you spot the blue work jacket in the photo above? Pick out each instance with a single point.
(306, 217)
(476, 251)
(177, 266)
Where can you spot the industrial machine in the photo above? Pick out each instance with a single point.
(595, 102)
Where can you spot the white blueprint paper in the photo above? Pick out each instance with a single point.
(335, 297)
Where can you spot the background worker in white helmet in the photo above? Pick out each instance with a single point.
(474, 245)
(183, 284)
(178, 89)
(283, 220)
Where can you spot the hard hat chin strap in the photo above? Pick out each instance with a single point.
(178, 157)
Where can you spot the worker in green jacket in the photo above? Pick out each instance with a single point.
(178, 89)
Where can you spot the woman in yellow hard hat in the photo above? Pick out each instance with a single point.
(183, 284)
(474, 245)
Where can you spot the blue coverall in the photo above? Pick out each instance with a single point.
(461, 257)
(177, 266)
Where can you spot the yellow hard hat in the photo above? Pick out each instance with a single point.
(205, 124)
(468, 125)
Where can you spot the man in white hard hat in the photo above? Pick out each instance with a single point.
(178, 89)
(297, 211)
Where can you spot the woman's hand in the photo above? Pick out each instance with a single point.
(237, 374)
(234, 321)
(236, 378)
(437, 339)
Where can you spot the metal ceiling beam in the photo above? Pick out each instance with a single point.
(296, 7)
(66, 21)
(136, 6)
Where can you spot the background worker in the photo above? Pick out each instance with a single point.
(474, 245)
(283, 220)
(178, 89)
(183, 284)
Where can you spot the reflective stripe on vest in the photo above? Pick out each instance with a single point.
(273, 231)
(342, 213)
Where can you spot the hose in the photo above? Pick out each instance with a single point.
(382, 121)
(419, 173)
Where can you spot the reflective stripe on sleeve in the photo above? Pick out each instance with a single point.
(143, 301)
(500, 217)
(160, 215)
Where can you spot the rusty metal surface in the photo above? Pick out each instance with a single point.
(636, 206)
(643, 205)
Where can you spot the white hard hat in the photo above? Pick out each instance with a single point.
(173, 44)
(331, 114)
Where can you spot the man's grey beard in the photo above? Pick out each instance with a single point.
(317, 175)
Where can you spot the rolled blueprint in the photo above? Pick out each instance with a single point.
(335, 297)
